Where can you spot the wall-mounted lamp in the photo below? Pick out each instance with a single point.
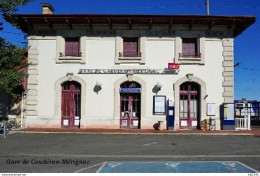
(98, 86)
(99, 83)
(159, 85)
(69, 75)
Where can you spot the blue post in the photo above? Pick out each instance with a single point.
(5, 128)
(170, 115)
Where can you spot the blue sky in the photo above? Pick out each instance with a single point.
(246, 48)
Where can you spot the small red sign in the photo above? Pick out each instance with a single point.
(173, 66)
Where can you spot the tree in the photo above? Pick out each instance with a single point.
(12, 63)
(10, 6)
(12, 60)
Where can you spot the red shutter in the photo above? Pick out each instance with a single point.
(130, 47)
(72, 47)
(189, 47)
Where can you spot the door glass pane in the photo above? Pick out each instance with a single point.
(77, 86)
(66, 87)
(65, 105)
(193, 108)
(181, 105)
(124, 105)
(77, 105)
(185, 105)
(135, 105)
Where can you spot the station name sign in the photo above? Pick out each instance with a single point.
(130, 90)
(127, 71)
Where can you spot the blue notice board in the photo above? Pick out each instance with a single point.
(228, 114)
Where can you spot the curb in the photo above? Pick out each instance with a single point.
(129, 133)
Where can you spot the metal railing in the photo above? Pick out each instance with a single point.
(129, 54)
(194, 55)
(249, 108)
(241, 124)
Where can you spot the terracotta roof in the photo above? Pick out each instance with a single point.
(238, 23)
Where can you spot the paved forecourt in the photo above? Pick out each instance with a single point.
(81, 153)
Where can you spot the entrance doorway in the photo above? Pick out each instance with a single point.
(130, 105)
(189, 105)
(71, 105)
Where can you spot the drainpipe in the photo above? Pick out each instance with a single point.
(22, 107)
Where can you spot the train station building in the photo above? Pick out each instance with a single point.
(124, 71)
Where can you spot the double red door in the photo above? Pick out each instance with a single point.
(189, 106)
(70, 105)
(130, 110)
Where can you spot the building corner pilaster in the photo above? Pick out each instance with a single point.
(228, 70)
(32, 102)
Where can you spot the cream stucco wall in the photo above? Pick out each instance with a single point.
(100, 106)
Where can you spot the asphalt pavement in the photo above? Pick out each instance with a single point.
(70, 152)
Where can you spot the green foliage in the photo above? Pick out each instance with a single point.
(12, 61)
(9, 6)
(12, 64)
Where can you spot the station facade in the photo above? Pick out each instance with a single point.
(123, 71)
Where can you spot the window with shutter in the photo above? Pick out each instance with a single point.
(72, 47)
(130, 47)
(190, 47)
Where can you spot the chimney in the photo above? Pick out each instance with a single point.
(47, 8)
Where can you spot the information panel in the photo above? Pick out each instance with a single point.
(229, 112)
(211, 110)
(159, 105)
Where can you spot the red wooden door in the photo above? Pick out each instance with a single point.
(189, 106)
(130, 105)
(130, 110)
(70, 105)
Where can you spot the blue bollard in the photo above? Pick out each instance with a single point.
(170, 115)
(5, 128)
